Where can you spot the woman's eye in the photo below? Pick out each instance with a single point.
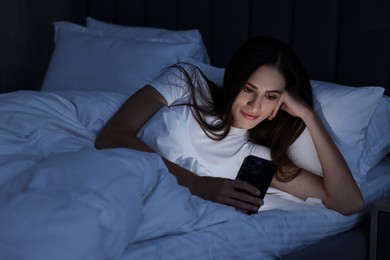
(247, 89)
(271, 97)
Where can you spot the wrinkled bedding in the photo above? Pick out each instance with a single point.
(60, 198)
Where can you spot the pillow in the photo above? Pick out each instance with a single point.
(154, 35)
(83, 59)
(212, 73)
(378, 136)
(346, 113)
(303, 153)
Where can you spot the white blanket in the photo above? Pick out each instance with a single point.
(60, 198)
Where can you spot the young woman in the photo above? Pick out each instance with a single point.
(264, 105)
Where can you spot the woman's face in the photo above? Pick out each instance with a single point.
(258, 97)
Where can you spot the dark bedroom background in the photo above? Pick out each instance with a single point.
(26, 35)
(27, 38)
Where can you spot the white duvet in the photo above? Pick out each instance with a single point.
(60, 198)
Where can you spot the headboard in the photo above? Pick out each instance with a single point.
(343, 41)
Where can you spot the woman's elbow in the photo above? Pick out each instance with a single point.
(103, 140)
(352, 206)
(99, 142)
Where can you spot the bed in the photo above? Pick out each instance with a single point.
(63, 199)
(60, 198)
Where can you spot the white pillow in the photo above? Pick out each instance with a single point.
(378, 136)
(155, 35)
(303, 153)
(214, 74)
(83, 59)
(346, 113)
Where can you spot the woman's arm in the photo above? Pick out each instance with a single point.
(337, 188)
(121, 131)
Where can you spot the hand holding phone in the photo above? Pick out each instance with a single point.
(258, 172)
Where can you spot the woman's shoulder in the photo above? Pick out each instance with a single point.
(180, 72)
(176, 82)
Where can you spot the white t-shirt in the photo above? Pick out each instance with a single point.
(176, 135)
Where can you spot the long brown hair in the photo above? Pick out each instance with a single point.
(277, 134)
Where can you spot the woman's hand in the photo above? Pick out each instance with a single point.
(236, 193)
(295, 106)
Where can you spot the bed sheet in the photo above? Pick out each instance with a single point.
(283, 226)
(60, 198)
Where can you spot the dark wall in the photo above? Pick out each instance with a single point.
(26, 41)
(343, 41)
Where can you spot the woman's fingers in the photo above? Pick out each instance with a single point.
(293, 105)
(277, 107)
(236, 193)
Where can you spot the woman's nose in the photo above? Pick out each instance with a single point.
(255, 102)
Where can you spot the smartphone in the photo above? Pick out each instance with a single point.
(258, 172)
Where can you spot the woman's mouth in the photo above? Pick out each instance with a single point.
(249, 116)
